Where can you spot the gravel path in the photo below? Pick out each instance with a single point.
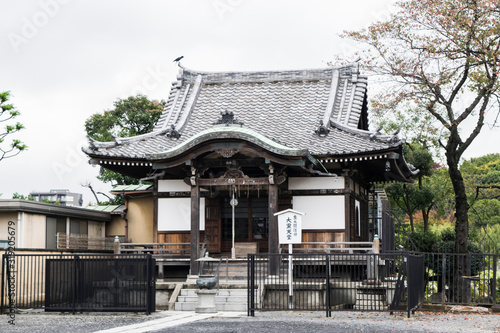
(301, 322)
(312, 322)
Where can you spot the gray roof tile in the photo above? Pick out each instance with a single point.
(284, 106)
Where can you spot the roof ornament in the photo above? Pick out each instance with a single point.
(173, 134)
(227, 118)
(377, 132)
(322, 130)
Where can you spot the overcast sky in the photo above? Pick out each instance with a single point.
(64, 60)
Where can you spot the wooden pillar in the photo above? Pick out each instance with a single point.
(195, 227)
(347, 203)
(273, 229)
(155, 216)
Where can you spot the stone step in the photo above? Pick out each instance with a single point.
(370, 297)
(220, 292)
(369, 302)
(371, 308)
(225, 300)
(218, 306)
(218, 299)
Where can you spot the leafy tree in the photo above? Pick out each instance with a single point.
(16, 195)
(412, 197)
(482, 177)
(442, 59)
(7, 113)
(132, 116)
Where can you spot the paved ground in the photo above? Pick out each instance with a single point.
(302, 322)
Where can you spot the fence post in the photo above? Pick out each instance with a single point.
(116, 245)
(75, 281)
(149, 283)
(3, 283)
(409, 281)
(494, 282)
(251, 284)
(443, 278)
(328, 301)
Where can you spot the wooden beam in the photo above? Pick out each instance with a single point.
(242, 147)
(232, 181)
(195, 228)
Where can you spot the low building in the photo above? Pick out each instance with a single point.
(38, 225)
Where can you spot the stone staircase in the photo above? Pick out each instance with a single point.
(371, 298)
(225, 300)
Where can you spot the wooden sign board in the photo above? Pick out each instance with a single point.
(289, 226)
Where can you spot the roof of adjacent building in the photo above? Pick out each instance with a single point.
(321, 111)
(35, 207)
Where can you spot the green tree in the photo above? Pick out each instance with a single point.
(7, 113)
(16, 195)
(482, 177)
(132, 116)
(420, 196)
(441, 58)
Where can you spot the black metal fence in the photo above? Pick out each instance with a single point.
(471, 279)
(331, 282)
(77, 283)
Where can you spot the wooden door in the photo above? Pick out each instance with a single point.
(213, 225)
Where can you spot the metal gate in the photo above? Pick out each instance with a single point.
(78, 283)
(335, 282)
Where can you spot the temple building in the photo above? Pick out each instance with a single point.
(233, 148)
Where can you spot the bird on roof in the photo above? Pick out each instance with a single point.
(178, 59)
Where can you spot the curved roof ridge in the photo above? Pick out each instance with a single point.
(119, 140)
(325, 73)
(229, 132)
(393, 139)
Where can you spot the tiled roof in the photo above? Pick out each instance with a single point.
(285, 107)
(131, 188)
(107, 208)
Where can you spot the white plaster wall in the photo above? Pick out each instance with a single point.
(315, 183)
(322, 212)
(173, 185)
(174, 214)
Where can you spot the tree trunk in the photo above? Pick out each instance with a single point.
(461, 216)
(425, 216)
(461, 208)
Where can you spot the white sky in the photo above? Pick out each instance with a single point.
(64, 60)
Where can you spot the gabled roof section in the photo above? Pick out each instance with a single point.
(317, 110)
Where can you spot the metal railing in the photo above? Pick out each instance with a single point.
(334, 282)
(331, 247)
(77, 283)
(467, 279)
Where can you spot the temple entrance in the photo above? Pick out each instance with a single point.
(251, 222)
